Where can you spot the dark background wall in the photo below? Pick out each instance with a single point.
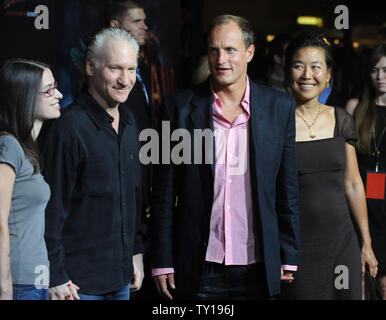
(179, 29)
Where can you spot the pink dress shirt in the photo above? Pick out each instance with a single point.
(231, 236)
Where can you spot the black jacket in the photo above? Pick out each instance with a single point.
(183, 194)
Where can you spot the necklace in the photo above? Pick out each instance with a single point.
(377, 152)
(311, 132)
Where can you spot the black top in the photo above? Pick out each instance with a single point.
(376, 207)
(137, 105)
(328, 237)
(91, 217)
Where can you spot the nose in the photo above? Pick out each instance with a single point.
(221, 58)
(124, 78)
(145, 26)
(381, 74)
(307, 72)
(58, 94)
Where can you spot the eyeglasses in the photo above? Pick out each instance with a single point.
(51, 91)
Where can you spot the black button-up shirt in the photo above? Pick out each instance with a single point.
(93, 217)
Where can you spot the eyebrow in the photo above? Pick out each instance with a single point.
(300, 61)
(49, 85)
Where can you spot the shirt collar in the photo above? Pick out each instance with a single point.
(99, 115)
(245, 102)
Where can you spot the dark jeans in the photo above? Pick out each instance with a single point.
(221, 282)
(123, 294)
(29, 292)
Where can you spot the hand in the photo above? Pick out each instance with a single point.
(67, 291)
(368, 258)
(139, 274)
(162, 283)
(287, 276)
(6, 292)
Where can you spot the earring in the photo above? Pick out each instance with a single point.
(327, 84)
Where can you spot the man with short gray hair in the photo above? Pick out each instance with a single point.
(92, 167)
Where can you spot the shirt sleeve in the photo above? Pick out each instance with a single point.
(11, 152)
(287, 267)
(61, 158)
(347, 127)
(160, 271)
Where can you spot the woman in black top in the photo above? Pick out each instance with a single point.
(330, 187)
(370, 116)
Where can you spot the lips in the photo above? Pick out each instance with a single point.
(122, 90)
(56, 106)
(220, 70)
(306, 86)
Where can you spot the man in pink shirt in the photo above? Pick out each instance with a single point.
(227, 228)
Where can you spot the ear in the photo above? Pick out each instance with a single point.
(250, 52)
(329, 71)
(90, 68)
(115, 24)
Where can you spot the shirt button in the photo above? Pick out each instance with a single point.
(228, 207)
(123, 204)
(230, 181)
(122, 172)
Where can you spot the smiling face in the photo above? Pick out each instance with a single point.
(378, 76)
(111, 82)
(48, 106)
(309, 74)
(227, 55)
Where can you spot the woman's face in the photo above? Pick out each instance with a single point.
(309, 74)
(378, 76)
(48, 105)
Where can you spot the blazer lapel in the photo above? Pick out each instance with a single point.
(256, 101)
(202, 116)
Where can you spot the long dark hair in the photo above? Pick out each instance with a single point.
(20, 84)
(365, 113)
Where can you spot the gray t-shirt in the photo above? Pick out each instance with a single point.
(29, 261)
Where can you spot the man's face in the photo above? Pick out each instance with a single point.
(134, 22)
(227, 55)
(112, 81)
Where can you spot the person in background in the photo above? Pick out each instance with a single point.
(202, 71)
(92, 166)
(130, 15)
(276, 61)
(28, 96)
(370, 117)
(330, 186)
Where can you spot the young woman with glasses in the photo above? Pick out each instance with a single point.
(28, 96)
